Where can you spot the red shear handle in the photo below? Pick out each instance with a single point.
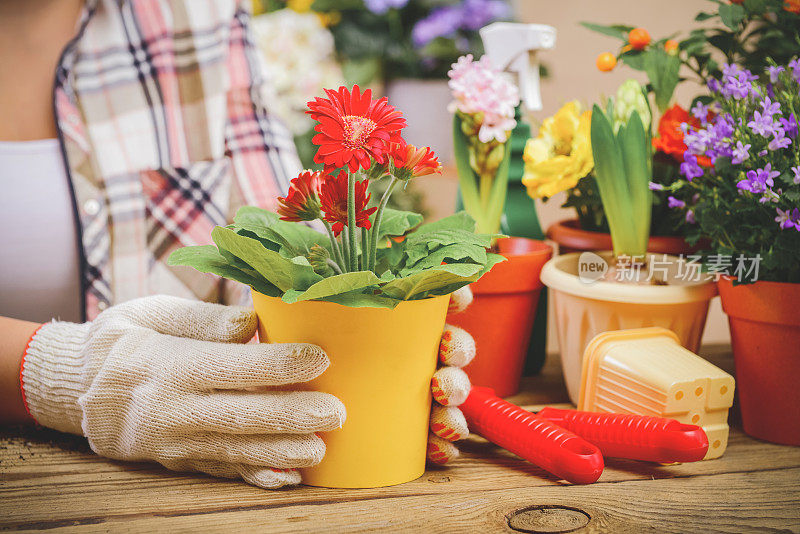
(537, 440)
(637, 437)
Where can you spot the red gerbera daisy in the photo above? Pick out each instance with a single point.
(410, 161)
(333, 197)
(353, 128)
(301, 203)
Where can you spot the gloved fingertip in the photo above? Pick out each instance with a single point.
(440, 451)
(450, 386)
(460, 299)
(457, 347)
(269, 477)
(448, 423)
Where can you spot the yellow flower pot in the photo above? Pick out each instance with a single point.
(382, 362)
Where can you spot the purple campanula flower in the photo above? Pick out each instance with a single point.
(763, 125)
(770, 196)
(762, 153)
(713, 85)
(740, 153)
(789, 125)
(788, 218)
(655, 187)
(689, 168)
(673, 202)
(770, 108)
(442, 22)
(700, 111)
(690, 217)
(774, 72)
(380, 7)
(478, 13)
(795, 66)
(779, 140)
(796, 171)
(759, 180)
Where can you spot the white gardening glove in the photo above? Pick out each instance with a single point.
(171, 380)
(450, 385)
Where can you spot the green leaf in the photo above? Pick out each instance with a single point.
(408, 287)
(663, 72)
(614, 30)
(357, 299)
(467, 180)
(497, 195)
(293, 239)
(397, 223)
(636, 158)
(207, 259)
(612, 182)
(731, 15)
(458, 221)
(282, 272)
(334, 285)
(700, 17)
(456, 252)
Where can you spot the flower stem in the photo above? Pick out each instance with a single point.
(335, 266)
(351, 218)
(337, 252)
(363, 261)
(346, 249)
(373, 247)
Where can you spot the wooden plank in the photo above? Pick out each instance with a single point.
(731, 502)
(83, 486)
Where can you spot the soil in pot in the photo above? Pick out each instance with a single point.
(585, 308)
(765, 334)
(500, 319)
(381, 366)
(572, 238)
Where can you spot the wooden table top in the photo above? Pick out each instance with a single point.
(53, 481)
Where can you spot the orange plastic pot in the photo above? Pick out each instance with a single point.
(571, 238)
(765, 334)
(501, 316)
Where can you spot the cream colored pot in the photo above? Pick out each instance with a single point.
(584, 308)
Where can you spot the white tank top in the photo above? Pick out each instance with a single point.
(39, 261)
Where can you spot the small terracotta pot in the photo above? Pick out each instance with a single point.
(765, 334)
(501, 316)
(571, 238)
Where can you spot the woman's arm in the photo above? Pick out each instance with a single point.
(14, 336)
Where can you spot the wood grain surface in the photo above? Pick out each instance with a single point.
(52, 481)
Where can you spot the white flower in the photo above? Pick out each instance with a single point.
(299, 55)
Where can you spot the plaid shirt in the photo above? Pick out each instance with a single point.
(163, 120)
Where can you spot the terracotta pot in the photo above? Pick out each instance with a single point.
(381, 366)
(501, 316)
(571, 238)
(586, 309)
(765, 334)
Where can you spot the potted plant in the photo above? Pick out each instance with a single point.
(375, 305)
(626, 287)
(747, 203)
(501, 317)
(559, 159)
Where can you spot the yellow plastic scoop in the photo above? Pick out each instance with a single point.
(646, 371)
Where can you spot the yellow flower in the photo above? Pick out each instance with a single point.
(301, 6)
(561, 154)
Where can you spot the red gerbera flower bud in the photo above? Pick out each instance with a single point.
(410, 161)
(353, 129)
(333, 197)
(302, 203)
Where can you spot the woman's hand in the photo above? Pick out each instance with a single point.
(450, 385)
(170, 380)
